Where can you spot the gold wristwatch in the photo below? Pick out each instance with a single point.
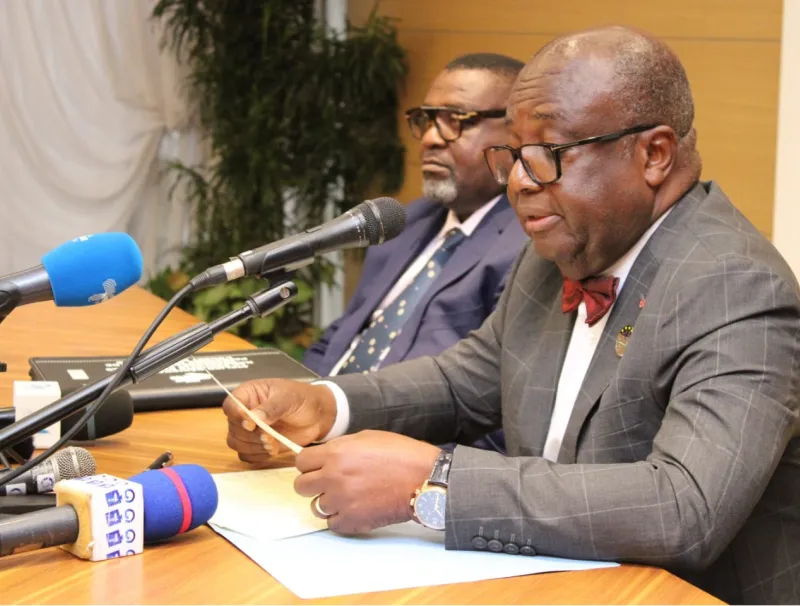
(430, 500)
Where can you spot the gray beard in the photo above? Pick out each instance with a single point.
(444, 191)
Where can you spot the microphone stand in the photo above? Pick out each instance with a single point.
(152, 360)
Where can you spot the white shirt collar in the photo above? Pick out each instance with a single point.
(472, 222)
(622, 267)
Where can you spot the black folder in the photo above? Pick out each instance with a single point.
(186, 384)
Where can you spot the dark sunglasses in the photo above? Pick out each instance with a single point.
(449, 121)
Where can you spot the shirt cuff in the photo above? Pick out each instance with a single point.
(342, 420)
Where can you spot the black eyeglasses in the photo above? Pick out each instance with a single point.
(449, 121)
(542, 161)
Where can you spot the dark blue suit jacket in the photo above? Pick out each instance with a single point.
(460, 299)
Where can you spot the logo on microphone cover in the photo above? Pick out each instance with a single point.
(113, 498)
(113, 518)
(109, 290)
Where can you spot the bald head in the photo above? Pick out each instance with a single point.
(645, 81)
(614, 108)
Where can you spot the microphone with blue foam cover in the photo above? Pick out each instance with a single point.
(102, 517)
(92, 269)
(177, 499)
(83, 271)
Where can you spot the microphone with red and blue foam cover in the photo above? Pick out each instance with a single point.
(84, 271)
(102, 517)
(177, 499)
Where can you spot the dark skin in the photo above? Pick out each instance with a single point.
(365, 480)
(607, 197)
(608, 194)
(462, 159)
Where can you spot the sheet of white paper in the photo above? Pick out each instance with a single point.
(263, 504)
(397, 557)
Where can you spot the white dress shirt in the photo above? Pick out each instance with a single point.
(582, 345)
(451, 222)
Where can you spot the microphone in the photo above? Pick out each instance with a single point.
(97, 518)
(72, 462)
(113, 417)
(83, 271)
(151, 361)
(371, 222)
(177, 499)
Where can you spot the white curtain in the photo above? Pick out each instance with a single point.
(90, 110)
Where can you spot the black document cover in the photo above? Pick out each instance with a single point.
(185, 384)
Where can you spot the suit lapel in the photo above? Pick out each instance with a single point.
(415, 240)
(406, 248)
(465, 257)
(528, 424)
(625, 312)
(473, 248)
(605, 360)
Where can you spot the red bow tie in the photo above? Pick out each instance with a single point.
(598, 293)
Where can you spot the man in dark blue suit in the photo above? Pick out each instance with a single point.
(429, 287)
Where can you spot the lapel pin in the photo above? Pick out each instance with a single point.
(623, 337)
(641, 303)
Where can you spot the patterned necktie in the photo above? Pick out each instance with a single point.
(598, 293)
(376, 340)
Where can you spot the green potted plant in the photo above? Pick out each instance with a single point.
(295, 118)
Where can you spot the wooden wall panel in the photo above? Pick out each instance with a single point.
(731, 50)
(713, 19)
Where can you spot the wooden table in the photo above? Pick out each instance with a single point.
(202, 567)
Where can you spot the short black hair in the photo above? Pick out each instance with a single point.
(502, 65)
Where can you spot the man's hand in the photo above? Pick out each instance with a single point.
(301, 412)
(365, 480)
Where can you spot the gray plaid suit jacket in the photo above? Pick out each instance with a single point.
(683, 453)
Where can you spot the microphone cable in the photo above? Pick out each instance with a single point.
(92, 408)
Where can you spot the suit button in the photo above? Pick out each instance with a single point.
(511, 548)
(495, 545)
(527, 550)
(479, 543)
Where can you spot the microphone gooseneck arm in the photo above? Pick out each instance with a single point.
(151, 361)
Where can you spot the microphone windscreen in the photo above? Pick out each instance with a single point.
(392, 215)
(114, 416)
(176, 500)
(74, 462)
(92, 269)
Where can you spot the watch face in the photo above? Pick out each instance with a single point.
(429, 507)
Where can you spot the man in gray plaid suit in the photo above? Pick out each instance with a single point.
(643, 359)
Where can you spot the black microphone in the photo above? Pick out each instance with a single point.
(371, 222)
(113, 417)
(26, 503)
(72, 462)
(152, 360)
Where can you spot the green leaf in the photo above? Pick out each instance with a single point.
(212, 296)
(249, 286)
(262, 326)
(305, 292)
(290, 114)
